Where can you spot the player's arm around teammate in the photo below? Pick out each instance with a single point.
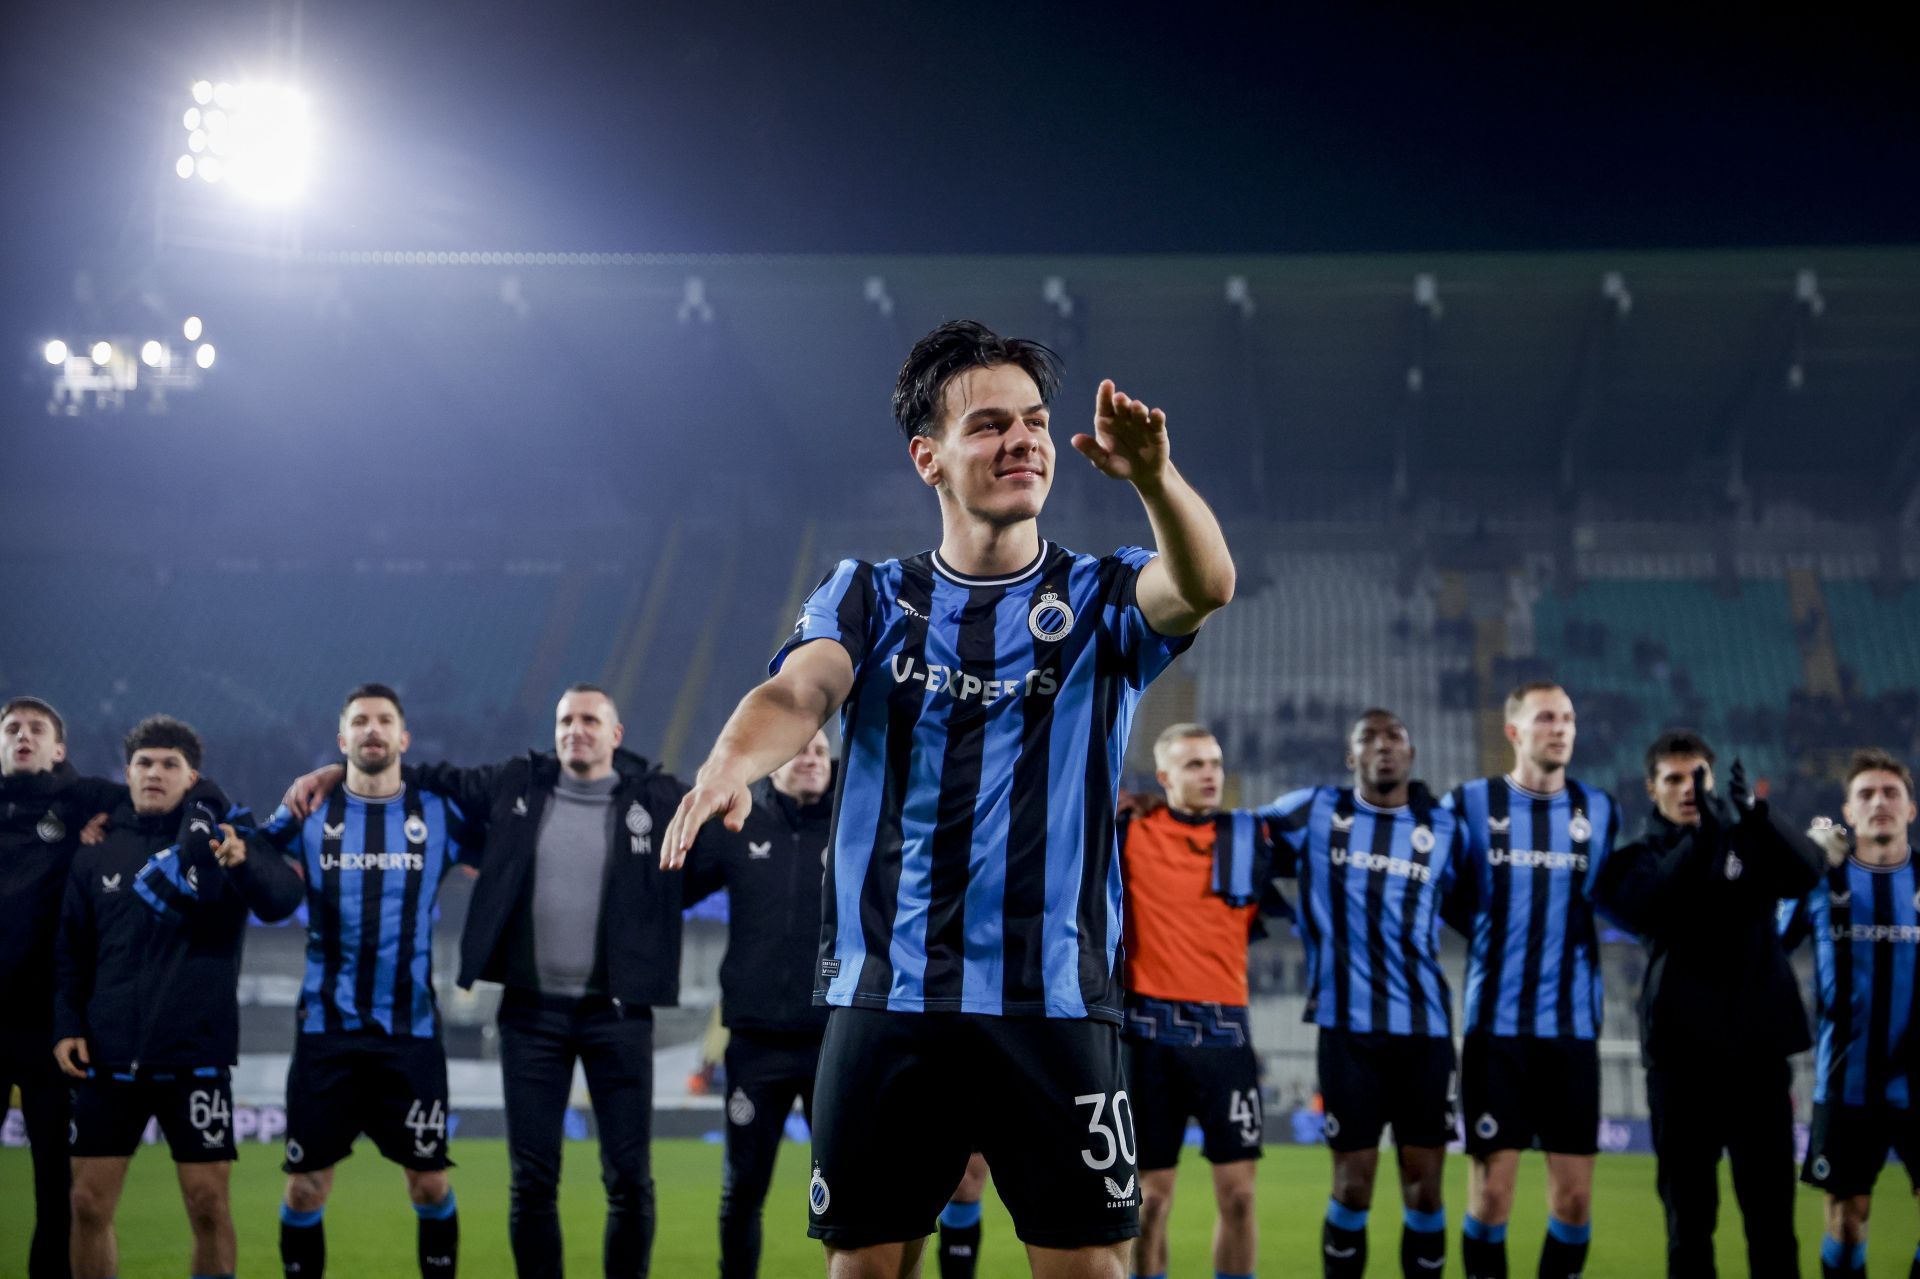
(1535, 840)
(1193, 876)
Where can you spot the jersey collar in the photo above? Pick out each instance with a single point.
(958, 578)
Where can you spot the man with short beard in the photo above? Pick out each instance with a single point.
(573, 915)
(44, 804)
(368, 1058)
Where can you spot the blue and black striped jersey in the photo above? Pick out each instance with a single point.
(1372, 885)
(974, 865)
(373, 871)
(1865, 925)
(1533, 967)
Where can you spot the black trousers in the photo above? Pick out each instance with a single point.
(1743, 1108)
(540, 1039)
(765, 1072)
(26, 1059)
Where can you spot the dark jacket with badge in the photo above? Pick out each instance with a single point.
(41, 815)
(1704, 899)
(773, 873)
(637, 957)
(147, 964)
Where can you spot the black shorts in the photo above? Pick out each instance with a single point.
(1370, 1081)
(1523, 1093)
(392, 1089)
(903, 1099)
(195, 1110)
(1847, 1146)
(1219, 1087)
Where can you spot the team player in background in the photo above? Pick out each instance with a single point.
(1864, 921)
(1194, 876)
(146, 1008)
(1530, 1064)
(368, 1057)
(1378, 862)
(971, 930)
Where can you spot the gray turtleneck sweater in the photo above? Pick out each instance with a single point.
(569, 865)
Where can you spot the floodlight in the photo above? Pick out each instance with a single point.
(184, 166)
(56, 352)
(152, 353)
(259, 134)
(191, 329)
(204, 356)
(102, 352)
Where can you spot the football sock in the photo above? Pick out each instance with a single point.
(1343, 1241)
(1564, 1254)
(959, 1239)
(1423, 1243)
(303, 1243)
(439, 1238)
(1483, 1248)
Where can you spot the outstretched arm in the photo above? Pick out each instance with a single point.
(771, 725)
(1193, 575)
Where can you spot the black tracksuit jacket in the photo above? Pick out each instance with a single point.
(773, 871)
(41, 815)
(1704, 898)
(147, 963)
(637, 955)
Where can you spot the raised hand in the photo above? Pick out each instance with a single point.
(1129, 440)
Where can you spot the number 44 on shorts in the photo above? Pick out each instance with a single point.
(422, 1120)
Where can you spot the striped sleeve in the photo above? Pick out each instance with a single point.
(167, 885)
(1144, 652)
(841, 608)
(1794, 920)
(1286, 820)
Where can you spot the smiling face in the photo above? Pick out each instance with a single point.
(586, 729)
(805, 777)
(159, 778)
(30, 742)
(373, 734)
(991, 456)
(1879, 809)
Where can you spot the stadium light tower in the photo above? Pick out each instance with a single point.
(254, 138)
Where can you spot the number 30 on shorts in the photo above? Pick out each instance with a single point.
(1116, 1139)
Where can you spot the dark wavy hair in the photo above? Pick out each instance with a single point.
(951, 349)
(164, 733)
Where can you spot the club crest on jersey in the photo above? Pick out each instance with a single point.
(639, 820)
(416, 829)
(1422, 839)
(1050, 619)
(818, 1196)
(51, 829)
(1734, 866)
(1579, 828)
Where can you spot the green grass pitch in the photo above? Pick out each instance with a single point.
(370, 1231)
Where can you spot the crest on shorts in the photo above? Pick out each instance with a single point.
(416, 829)
(1050, 619)
(1821, 1168)
(1579, 827)
(1422, 839)
(51, 829)
(1332, 1126)
(1485, 1127)
(818, 1196)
